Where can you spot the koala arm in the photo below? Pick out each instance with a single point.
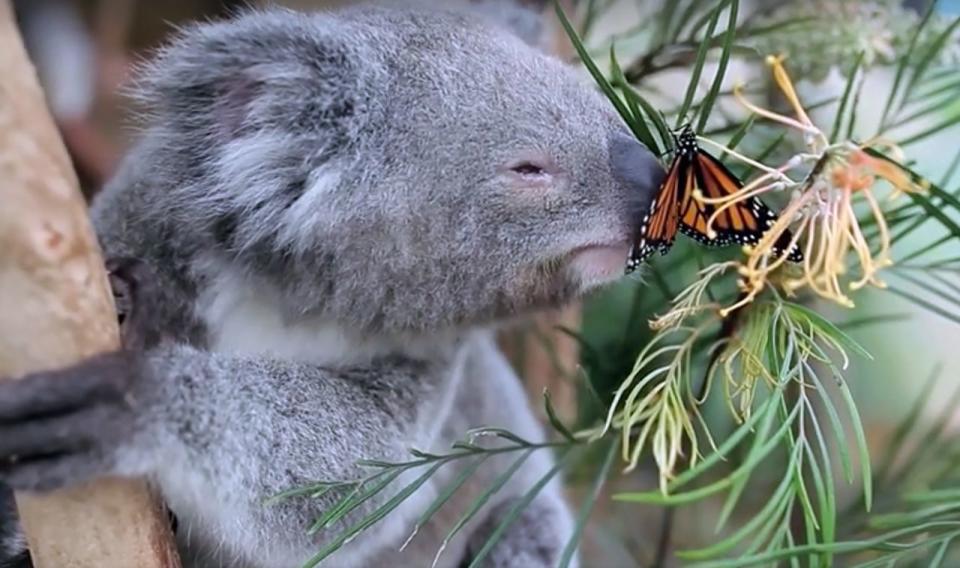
(127, 412)
(234, 430)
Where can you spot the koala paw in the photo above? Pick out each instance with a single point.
(63, 426)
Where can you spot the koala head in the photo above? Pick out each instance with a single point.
(393, 169)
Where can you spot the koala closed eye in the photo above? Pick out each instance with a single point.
(538, 172)
(528, 169)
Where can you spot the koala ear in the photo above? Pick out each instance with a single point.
(273, 68)
(259, 107)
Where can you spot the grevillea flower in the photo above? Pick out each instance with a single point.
(655, 408)
(822, 211)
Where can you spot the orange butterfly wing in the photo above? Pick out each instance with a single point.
(744, 223)
(675, 207)
(659, 225)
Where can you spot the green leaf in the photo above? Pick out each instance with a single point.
(911, 518)
(639, 123)
(738, 486)
(555, 421)
(938, 90)
(516, 510)
(725, 448)
(861, 438)
(935, 495)
(351, 501)
(935, 129)
(826, 327)
(617, 79)
(764, 154)
(664, 23)
(445, 496)
(935, 107)
(935, 190)
(595, 72)
(749, 465)
(852, 120)
(927, 59)
(698, 66)
(847, 547)
(868, 320)
(482, 500)
(941, 553)
(702, 21)
(838, 432)
(951, 169)
(749, 528)
(661, 283)
(925, 304)
(685, 17)
(500, 433)
(918, 221)
(828, 502)
(738, 136)
(806, 504)
(775, 524)
(651, 115)
(927, 204)
(373, 518)
(841, 110)
(936, 213)
(943, 295)
(590, 17)
(588, 504)
(707, 104)
(313, 490)
(933, 439)
(904, 62)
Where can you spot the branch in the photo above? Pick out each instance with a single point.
(56, 309)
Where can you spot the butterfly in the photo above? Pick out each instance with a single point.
(675, 207)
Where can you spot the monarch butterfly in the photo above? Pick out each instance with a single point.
(675, 207)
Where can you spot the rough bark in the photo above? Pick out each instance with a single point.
(56, 309)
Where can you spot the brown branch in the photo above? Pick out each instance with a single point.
(56, 309)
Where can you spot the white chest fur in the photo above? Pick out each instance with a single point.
(249, 320)
(244, 318)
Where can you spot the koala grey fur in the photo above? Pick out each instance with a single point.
(339, 209)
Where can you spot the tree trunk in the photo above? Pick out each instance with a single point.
(56, 309)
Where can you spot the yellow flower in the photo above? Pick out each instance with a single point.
(822, 211)
(802, 122)
(651, 409)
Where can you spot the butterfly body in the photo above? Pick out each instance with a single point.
(677, 207)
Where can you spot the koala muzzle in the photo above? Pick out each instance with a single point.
(637, 170)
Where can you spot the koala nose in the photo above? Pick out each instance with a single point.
(635, 167)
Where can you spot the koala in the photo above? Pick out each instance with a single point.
(324, 221)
